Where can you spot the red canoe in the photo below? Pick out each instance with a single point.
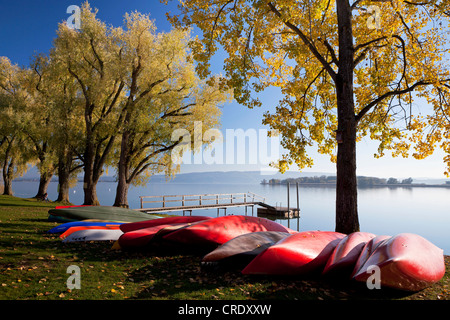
(367, 251)
(297, 254)
(127, 227)
(347, 252)
(217, 231)
(406, 262)
(63, 207)
(142, 237)
(248, 244)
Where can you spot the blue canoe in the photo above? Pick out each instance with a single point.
(63, 227)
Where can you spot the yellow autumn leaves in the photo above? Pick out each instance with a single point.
(399, 62)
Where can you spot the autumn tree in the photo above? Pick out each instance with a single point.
(15, 149)
(92, 57)
(164, 94)
(59, 131)
(36, 129)
(346, 69)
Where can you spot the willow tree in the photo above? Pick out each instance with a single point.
(92, 58)
(163, 94)
(55, 124)
(15, 149)
(346, 69)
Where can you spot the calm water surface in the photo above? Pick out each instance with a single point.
(388, 211)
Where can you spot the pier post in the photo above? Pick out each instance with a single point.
(288, 212)
(298, 209)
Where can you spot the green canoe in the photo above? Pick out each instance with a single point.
(105, 213)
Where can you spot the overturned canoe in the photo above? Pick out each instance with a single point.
(94, 235)
(406, 262)
(142, 237)
(298, 254)
(71, 230)
(347, 252)
(367, 251)
(53, 218)
(132, 226)
(217, 231)
(73, 206)
(105, 213)
(242, 249)
(63, 227)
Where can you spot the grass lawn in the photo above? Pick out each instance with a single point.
(34, 266)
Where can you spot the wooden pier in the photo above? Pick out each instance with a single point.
(188, 203)
(278, 212)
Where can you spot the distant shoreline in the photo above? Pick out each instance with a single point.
(399, 185)
(307, 184)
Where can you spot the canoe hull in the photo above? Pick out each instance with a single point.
(71, 230)
(132, 226)
(367, 251)
(406, 262)
(140, 238)
(346, 253)
(249, 244)
(298, 254)
(105, 213)
(63, 227)
(94, 235)
(240, 251)
(60, 219)
(217, 231)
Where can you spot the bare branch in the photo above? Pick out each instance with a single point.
(362, 45)
(143, 164)
(100, 61)
(389, 94)
(330, 49)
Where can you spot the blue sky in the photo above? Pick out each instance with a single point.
(28, 27)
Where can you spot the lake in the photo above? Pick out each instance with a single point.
(387, 211)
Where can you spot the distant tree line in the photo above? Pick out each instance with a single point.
(362, 181)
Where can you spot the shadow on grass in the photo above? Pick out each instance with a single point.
(182, 276)
(12, 201)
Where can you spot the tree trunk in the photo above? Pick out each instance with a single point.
(64, 178)
(90, 195)
(8, 178)
(89, 185)
(122, 194)
(63, 190)
(7, 188)
(346, 184)
(123, 185)
(44, 181)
